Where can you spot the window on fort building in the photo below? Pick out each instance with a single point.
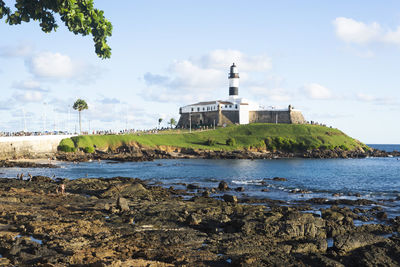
(230, 106)
(226, 106)
(236, 106)
(198, 109)
(204, 109)
(192, 109)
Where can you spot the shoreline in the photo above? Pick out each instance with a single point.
(129, 222)
(150, 154)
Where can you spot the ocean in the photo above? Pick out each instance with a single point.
(386, 147)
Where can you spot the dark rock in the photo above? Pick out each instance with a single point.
(24, 164)
(239, 189)
(264, 190)
(122, 204)
(193, 219)
(381, 215)
(43, 179)
(223, 186)
(230, 198)
(125, 190)
(192, 186)
(205, 193)
(349, 242)
(281, 179)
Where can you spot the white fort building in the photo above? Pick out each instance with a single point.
(235, 110)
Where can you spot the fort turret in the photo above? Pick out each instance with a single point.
(234, 81)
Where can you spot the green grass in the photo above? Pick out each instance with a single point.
(245, 136)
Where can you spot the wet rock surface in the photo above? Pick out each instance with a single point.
(127, 222)
(25, 164)
(139, 153)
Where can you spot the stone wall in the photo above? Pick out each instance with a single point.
(30, 146)
(297, 117)
(208, 118)
(231, 117)
(198, 119)
(266, 116)
(228, 117)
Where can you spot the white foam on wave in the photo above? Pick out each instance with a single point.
(247, 181)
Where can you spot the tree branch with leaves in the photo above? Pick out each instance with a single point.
(79, 16)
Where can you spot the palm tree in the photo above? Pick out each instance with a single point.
(80, 105)
(172, 122)
(159, 122)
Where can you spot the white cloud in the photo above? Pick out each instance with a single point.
(51, 65)
(199, 78)
(317, 91)
(387, 101)
(29, 96)
(29, 85)
(7, 104)
(352, 31)
(393, 37)
(264, 94)
(219, 59)
(56, 66)
(22, 50)
(188, 75)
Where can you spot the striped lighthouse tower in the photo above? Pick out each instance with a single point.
(233, 82)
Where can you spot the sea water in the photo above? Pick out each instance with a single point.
(373, 178)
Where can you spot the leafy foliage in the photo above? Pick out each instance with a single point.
(80, 105)
(172, 122)
(231, 141)
(66, 145)
(79, 16)
(89, 149)
(210, 142)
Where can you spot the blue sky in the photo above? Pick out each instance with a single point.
(337, 62)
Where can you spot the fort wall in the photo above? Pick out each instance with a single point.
(221, 117)
(198, 119)
(266, 116)
(228, 117)
(297, 117)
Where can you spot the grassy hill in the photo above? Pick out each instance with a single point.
(289, 137)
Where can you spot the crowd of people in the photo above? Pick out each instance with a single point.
(22, 133)
(100, 132)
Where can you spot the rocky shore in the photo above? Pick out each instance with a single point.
(139, 153)
(25, 164)
(127, 222)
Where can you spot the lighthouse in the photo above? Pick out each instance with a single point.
(234, 82)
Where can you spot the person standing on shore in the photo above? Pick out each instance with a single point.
(62, 188)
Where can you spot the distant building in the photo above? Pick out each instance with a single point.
(235, 110)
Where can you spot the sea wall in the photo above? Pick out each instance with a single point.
(29, 146)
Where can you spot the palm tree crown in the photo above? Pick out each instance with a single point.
(80, 105)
